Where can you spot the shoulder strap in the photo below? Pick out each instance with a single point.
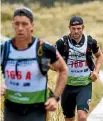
(66, 47)
(89, 43)
(40, 54)
(89, 56)
(5, 53)
(41, 57)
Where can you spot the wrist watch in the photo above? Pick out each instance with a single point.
(55, 96)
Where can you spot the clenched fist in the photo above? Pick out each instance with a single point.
(94, 75)
(51, 104)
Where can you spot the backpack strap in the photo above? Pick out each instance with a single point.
(66, 47)
(5, 49)
(62, 46)
(41, 57)
(43, 68)
(89, 56)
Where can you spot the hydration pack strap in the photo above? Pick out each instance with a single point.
(5, 53)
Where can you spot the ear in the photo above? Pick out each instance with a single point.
(69, 26)
(32, 26)
(83, 26)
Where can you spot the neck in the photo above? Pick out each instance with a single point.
(21, 43)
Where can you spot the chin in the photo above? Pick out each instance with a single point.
(76, 37)
(21, 38)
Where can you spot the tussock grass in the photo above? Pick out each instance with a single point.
(97, 92)
(54, 21)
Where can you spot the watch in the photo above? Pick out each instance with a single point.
(55, 96)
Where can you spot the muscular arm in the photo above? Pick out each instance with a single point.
(62, 70)
(57, 63)
(99, 60)
(98, 54)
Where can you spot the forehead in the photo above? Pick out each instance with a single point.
(76, 26)
(21, 19)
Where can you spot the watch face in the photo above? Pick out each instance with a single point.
(58, 98)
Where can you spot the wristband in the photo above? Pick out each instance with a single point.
(55, 96)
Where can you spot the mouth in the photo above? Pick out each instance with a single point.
(76, 34)
(20, 34)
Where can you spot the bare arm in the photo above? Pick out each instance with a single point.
(99, 62)
(61, 67)
(62, 70)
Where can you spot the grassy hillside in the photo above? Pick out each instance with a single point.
(52, 23)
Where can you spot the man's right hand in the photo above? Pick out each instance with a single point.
(51, 104)
(94, 75)
(2, 89)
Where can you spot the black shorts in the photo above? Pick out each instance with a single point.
(73, 96)
(24, 112)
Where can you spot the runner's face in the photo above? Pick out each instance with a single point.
(23, 27)
(76, 31)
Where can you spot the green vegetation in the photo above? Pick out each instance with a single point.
(52, 23)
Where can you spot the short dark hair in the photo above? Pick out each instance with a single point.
(76, 20)
(24, 11)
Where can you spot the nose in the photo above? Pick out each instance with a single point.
(20, 27)
(76, 30)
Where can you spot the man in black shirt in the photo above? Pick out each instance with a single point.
(76, 49)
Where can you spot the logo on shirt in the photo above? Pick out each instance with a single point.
(76, 55)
